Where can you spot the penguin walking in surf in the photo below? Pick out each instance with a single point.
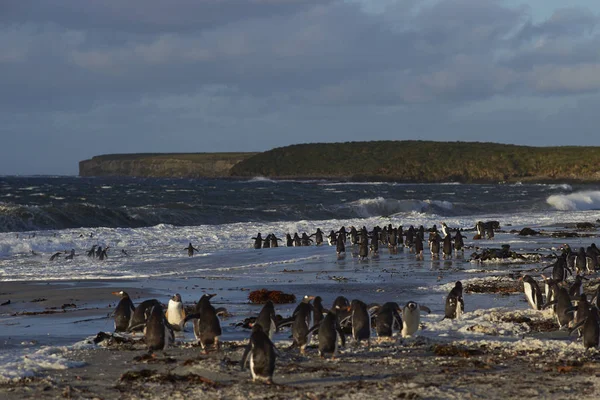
(260, 353)
(459, 244)
(411, 318)
(207, 327)
(123, 311)
(418, 247)
(332, 238)
(318, 237)
(533, 293)
(258, 241)
(175, 313)
(191, 249)
(340, 247)
(447, 246)
(455, 305)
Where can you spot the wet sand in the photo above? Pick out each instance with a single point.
(418, 367)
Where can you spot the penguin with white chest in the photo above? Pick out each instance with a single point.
(260, 354)
(175, 313)
(455, 304)
(411, 318)
(533, 293)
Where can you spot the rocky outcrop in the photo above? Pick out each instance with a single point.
(195, 165)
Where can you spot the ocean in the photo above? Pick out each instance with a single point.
(147, 224)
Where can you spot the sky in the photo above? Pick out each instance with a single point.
(84, 78)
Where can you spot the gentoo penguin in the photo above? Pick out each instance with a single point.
(274, 240)
(361, 322)
(563, 308)
(580, 261)
(266, 319)
(455, 304)
(445, 229)
(559, 268)
(257, 241)
(592, 258)
(392, 237)
(363, 248)
(459, 244)
(207, 327)
(434, 244)
(262, 355)
(400, 236)
(297, 240)
(267, 242)
(581, 311)
(70, 255)
(158, 333)
(318, 311)
(140, 315)
(103, 253)
(175, 313)
(386, 318)
(447, 246)
(289, 242)
(190, 249)
(353, 236)
(329, 331)
(331, 238)
(318, 237)
(301, 324)
(305, 240)
(340, 247)
(532, 291)
(591, 329)
(342, 306)
(374, 247)
(418, 247)
(421, 232)
(576, 288)
(99, 252)
(123, 311)
(92, 252)
(410, 237)
(55, 255)
(596, 299)
(411, 318)
(342, 232)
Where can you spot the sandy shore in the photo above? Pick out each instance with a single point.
(419, 367)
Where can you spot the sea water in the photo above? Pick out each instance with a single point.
(148, 223)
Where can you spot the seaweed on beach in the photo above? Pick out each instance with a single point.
(501, 287)
(451, 350)
(148, 375)
(276, 296)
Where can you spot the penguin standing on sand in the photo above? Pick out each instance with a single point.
(158, 333)
(455, 304)
(262, 355)
(329, 331)
(533, 293)
(361, 322)
(411, 318)
(386, 318)
(190, 249)
(207, 327)
(175, 312)
(580, 261)
(140, 315)
(266, 319)
(123, 311)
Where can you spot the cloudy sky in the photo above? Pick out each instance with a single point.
(83, 78)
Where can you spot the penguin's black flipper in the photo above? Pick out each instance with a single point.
(222, 312)
(314, 328)
(245, 356)
(135, 327)
(285, 322)
(373, 309)
(578, 325)
(425, 308)
(550, 303)
(346, 320)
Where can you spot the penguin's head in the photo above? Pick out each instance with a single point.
(307, 298)
(120, 293)
(411, 305)
(176, 298)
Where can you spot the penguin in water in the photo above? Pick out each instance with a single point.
(103, 253)
(361, 322)
(332, 238)
(340, 247)
(262, 354)
(386, 318)
(411, 318)
(363, 247)
(532, 291)
(434, 244)
(190, 249)
(55, 255)
(418, 247)
(318, 237)
(267, 242)
(289, 242)
(92, 252)
(140, 315)
(297, 240)
(445, 229)
(258, 240)
(329, 331)
(459, 244)
(274, 240)
(207, 327)
(158, 333)
(447, 246)
(266, 319)
(123, 311)
(410, 237)
(455, 304)
(305, 240)
(71, 255)
(175, 312)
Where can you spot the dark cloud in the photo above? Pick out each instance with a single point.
(114, 76)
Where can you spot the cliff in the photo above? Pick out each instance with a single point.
(189, 165)
(400, 161)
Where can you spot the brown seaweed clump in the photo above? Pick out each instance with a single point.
(450, 350)
(276, 296)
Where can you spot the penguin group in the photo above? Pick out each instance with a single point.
(570, 305)
(366, 243)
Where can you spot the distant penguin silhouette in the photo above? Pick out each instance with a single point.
(71, 255)
(190, 250)
(55, 255)
(258, 240)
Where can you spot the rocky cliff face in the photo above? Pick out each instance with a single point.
(208, 165)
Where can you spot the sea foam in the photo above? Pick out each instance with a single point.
(578, 201)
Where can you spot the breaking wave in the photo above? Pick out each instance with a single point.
(578, 201)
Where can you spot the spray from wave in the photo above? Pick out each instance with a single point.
(579, 201)
(380, 206)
